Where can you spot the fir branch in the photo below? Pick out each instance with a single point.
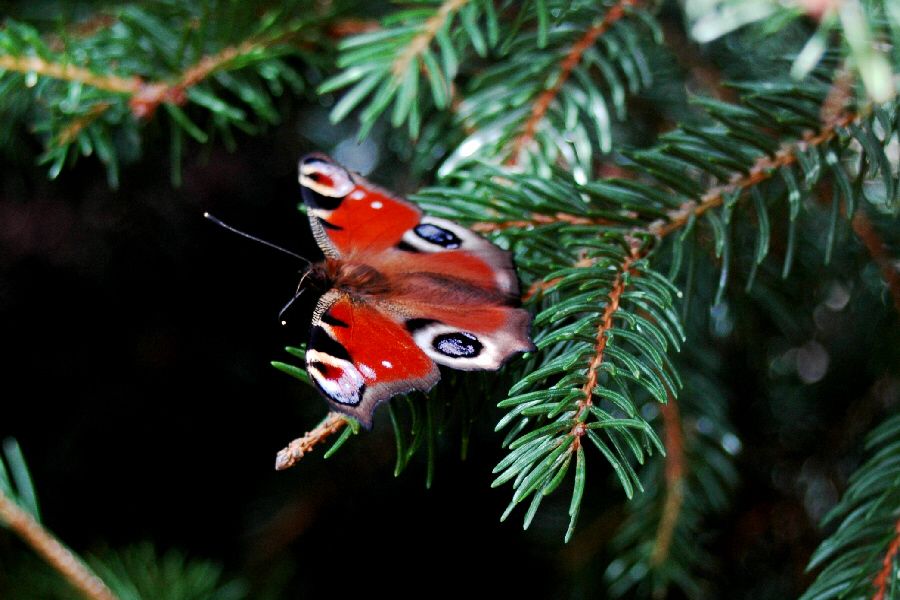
(144, 102)
(571, 60)
(554, 99)
(866, 232)
(232, 72)
(71, 73)
(420, 43)
(61, 558)
(764, 168)
(859, 559)
(674, 478)
(606, 322)
(888, 565)
(297, 449)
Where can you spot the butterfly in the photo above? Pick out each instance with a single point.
(404, 292)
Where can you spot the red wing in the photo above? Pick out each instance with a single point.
(348, 214)
(357, 221)
(359, 357)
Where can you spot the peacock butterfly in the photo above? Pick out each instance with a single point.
(404, 292)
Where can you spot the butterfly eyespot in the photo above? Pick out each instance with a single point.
(457, 345)
(437, 235)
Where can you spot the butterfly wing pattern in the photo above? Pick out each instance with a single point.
(410, 291)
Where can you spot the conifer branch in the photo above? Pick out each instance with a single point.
(571, 60)
(297, 449)
(763, 169)
(423, 39)
(150, 95)
(884, 576)
(61, 558)
(863, 228)
(67, 72)
(674, 478)
(535, 220)
(606, 323)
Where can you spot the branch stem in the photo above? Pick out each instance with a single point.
(422, 40)
(67, 72)
(571, 60)
(883, 578)
(674, 477)
(296, 450)
(61, 558)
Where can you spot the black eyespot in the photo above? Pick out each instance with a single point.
(413, 325)
(437, 235)
(457, 345)
(329, 225)
(314, 199)
(333, 321)
(406, 247)
(320, 341)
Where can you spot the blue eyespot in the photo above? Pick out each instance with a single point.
(437, 235)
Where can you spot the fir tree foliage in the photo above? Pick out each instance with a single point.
(869, 31)
(15, 480)
(859, 560)
(91, 89)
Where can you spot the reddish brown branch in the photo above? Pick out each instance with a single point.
(606, 323)
(882, 579)
(863, 227)
(290, 455)
(145, 102)
(674, 477)
(71, 131)
(422, 40)
(764, 168)
(545, 99)
(535, 220)
(66, 562)
(66, 72)
(145, 97)
(347, 27)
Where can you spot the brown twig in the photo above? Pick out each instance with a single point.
(763, 169)
(71, 131)
(882, 579)
(151, 95)
(66, 72)
(294, 451)
(535, 220)
(145, 96)
(61, 558)
(606, 323)
(347, 27)
(423, 39)
(539, 109)
(863, 228)
(674, 477)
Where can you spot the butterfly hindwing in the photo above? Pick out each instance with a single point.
(359, 357)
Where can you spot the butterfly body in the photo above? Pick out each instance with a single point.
(405, 292)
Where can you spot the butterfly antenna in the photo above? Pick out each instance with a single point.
(208, 216)
(300, 290)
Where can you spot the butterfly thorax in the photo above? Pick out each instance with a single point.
(355, 278)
